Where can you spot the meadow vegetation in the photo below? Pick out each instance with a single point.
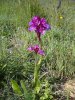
(17, 63)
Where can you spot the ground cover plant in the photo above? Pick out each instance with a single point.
(37, 49)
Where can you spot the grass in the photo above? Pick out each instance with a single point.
(58, 43)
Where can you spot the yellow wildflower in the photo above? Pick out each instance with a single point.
(61, 17)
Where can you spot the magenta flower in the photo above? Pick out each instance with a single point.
(36, 49)
(39, 25)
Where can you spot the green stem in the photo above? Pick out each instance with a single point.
(36, 72)
(36, 77)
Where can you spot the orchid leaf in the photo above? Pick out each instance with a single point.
(16, 87)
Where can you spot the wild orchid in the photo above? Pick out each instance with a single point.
(39, 25)
(36, 49)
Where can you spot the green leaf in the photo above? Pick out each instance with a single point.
(37, 88)
(16, 87)
(27, 96)
(23, 87)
